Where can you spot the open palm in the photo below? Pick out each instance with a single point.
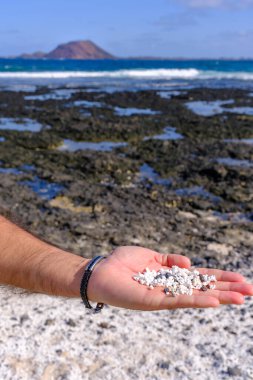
(112, 282)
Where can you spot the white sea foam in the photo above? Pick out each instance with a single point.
(142, 74)
(239, 75)
(145, 74)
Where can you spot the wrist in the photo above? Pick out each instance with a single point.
(74, 270)
(85, 283)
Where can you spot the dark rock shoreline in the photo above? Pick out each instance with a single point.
(205, 211)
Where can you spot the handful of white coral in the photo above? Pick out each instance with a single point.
(176, 280)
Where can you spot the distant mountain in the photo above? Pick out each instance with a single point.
(79, 50)
(73, 50)
(37, 54)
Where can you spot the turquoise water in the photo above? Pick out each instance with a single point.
(43, 65)
(160, 74)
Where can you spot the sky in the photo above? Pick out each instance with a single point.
(162, 28)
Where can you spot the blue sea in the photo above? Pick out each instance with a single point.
(127, 74)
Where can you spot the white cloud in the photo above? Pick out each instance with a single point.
(218, 3)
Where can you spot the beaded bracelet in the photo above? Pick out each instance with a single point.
(84, 284)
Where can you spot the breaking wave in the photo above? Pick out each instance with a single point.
(152, 74)
(142, 74)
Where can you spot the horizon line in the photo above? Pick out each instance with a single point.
(180, 58)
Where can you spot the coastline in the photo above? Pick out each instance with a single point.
(179, 180)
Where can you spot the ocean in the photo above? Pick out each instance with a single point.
(127, 74)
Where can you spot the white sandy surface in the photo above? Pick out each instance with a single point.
(48, 338)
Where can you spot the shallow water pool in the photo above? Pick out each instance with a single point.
(103, 146)
(12, 124)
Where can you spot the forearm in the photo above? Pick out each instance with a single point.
(29, 263)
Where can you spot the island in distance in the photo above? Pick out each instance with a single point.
(72, 50)
(88, 50)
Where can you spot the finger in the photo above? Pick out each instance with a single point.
(222, 275)
(194, 301)
(157, 300)
(240, 287)
(224, 297)
(173, 259)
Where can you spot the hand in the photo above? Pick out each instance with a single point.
(112, 282)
